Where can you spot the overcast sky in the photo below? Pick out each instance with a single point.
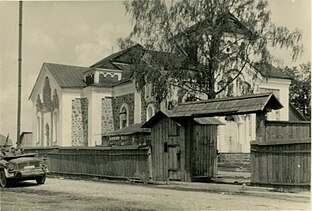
(81, 33)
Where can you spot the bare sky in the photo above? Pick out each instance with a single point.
(81, 33)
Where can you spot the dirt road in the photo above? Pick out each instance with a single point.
(64, 194)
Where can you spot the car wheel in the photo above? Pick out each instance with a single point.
(41, 180)
(3, 179)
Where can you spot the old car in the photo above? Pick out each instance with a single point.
(18, 166)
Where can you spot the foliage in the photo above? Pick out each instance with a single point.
(214, 41)
(300, 88)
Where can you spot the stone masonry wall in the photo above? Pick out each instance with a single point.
(107, 121)
(117, 103)
(79, 122)
(144, 104)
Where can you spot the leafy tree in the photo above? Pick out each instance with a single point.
(209, 43)
(300, 88)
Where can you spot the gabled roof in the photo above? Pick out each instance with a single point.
(167, 113)
(232, 25)
(228, 106)
(268, 70)
(67, 76)
(122, 56)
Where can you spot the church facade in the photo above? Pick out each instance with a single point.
(76, 106)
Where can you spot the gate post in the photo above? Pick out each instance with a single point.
(150, 167)
(260, 126)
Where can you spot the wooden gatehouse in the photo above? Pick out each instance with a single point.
(184, 140)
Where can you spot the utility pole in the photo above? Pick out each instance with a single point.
(19, 74)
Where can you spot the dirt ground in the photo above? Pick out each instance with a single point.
(65, 194)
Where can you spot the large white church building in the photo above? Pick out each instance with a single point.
(76, 106)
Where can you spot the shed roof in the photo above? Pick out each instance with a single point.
(228, 106)
(131, 129)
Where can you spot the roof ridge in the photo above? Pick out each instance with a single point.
(50, 63)
(228, 98)
(116, 54)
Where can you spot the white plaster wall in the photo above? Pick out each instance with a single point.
(87, 93)
(34, 125)
(137, 107)
(47, 120)
(124, 89)
(95, 95)
(283, 86)
(38, 90)
(65, 115)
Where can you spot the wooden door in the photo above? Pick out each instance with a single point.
(204, 151)
(174, 158)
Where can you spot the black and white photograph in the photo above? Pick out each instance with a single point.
(155, 105)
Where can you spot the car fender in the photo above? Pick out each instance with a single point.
(6, 172)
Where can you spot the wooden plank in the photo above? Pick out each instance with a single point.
(260, 127)
(283, 142)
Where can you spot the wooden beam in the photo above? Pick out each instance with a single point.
(260, 126)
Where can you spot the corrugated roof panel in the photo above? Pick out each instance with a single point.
(67, 76)
(208, 121)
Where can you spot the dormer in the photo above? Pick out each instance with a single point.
(100, 76)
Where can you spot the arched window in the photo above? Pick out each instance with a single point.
(46, 91)
(38, 128)
(55, 99)
(55, 120)
(47, 134)
(101, 78)
(150, 111)
(124, 116)
(90, 79)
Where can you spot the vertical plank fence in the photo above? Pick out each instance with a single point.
(283, 156)
(119, 162)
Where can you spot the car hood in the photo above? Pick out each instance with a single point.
(20, 159)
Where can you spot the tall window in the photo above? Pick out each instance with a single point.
(47, 134)
(124, 116)
(46, 91)
(55, 126)
(150, 111)
(148, 91)
(38, 128)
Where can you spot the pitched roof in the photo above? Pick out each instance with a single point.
(232, 25)
(167, 113)
(116, 57)
(228, 106)
(131, 129)
(67, 76)
(268, 70)
(208, 121)
(295, 115)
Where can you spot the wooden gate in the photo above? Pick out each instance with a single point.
(174, 159)
(204, 151)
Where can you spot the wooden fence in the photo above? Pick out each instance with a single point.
(283, 157)
(118, 162)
